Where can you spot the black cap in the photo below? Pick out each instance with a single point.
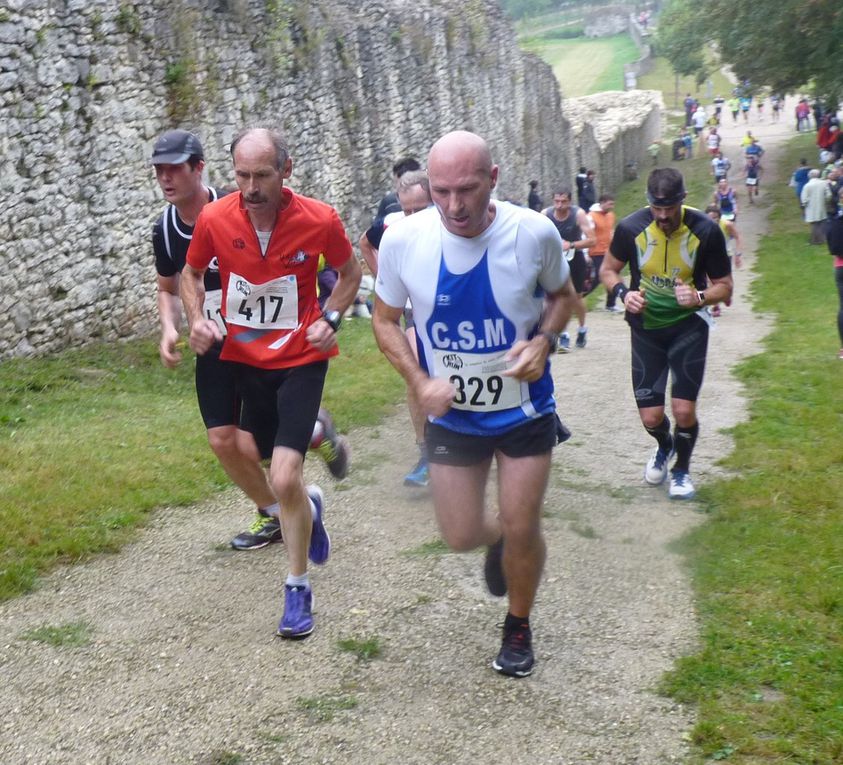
(175, 147)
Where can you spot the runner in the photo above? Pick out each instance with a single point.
(577, 233)
(267, 241)
(475, 271)
(726, 199)
(678, 264)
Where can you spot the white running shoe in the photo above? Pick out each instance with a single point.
(656, 471)
(681, 486)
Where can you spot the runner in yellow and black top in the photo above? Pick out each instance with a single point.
(678, 264)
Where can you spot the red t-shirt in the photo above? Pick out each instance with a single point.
(269, 301)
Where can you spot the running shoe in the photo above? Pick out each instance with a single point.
(297, 621)
(680, 485)
(516, 655)
(656, 471)
(564, 343)
(581, 339)
(419, 476)
(320, 543)
(332, 447)
(493, 569)
(616, 309)
(264, 530)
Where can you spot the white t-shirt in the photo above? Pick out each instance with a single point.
(473, 298)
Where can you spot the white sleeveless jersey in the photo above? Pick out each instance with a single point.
(472, 300)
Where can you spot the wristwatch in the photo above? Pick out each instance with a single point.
(701, 297)
(334, 319)
(552, 340)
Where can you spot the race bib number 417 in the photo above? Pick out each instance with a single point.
(271, 305)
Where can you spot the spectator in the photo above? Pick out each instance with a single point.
(815, 196)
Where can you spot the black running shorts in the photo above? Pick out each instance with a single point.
(219, 403)
(280, 406)
(680, 349)
(579, 271)
(448, 447)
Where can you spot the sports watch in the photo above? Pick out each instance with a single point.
(552, 340)
(334, 319)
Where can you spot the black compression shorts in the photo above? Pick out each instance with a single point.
(280, 406)
(680, 349)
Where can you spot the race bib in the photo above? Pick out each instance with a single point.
(213, 309)
(751, 181)
(271, 305)
(477, 377)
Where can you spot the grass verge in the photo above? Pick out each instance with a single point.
(584, 66)
(92, 440)
(767, 567)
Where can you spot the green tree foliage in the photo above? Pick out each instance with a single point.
(784, 45)
(680, 38)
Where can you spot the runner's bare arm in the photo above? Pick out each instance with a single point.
(320, 334)
(169, 317)
(610, 274)
(203, 332)
(369, 253)
(532, 354)
(434, 395)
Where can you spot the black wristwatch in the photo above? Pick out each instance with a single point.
(552, 340)
(334, 319)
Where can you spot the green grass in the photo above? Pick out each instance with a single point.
(91, 441)
(432, 548)
(324, 708)
(767, 567)
(364, 649)
(71, 635)
(662, 78)
(584, 66)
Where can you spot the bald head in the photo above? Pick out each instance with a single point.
(460, 145)
(462, 177)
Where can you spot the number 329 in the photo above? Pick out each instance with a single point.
(476, 390)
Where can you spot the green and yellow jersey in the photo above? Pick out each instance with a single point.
(695, 252)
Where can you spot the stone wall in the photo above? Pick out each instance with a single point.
(86, 85)
(610, 133)
(642, 38)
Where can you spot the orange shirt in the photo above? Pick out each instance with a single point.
(604, 224)
(269, 301)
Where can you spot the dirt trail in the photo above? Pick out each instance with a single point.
(184, 667)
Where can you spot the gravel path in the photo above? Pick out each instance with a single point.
(183, 665)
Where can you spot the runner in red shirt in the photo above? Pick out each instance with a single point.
(267, 241)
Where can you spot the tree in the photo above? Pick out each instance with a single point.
(680, 39)
(785, 45)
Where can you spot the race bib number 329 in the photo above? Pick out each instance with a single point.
(271, 305)
(478, 380)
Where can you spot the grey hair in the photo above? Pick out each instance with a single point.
(279, 142)
(414, 178)
(814, 173)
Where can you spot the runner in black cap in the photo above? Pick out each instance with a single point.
(678, 265)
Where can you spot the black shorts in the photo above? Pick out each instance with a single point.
(448, 447)
(579, 271)
(280, 406)
(219, 403)
(680, 349)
